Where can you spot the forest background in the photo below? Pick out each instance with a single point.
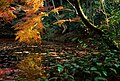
(93, 26)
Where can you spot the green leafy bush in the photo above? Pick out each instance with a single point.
(104, 66)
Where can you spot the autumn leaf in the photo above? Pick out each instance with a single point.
(60, 21)
(7, 15)
(31, 6)
(67, 20)
(77, 19)
(57, 9)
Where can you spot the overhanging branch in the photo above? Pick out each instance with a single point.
(110, 43)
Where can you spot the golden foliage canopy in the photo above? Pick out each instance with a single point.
(30, 30)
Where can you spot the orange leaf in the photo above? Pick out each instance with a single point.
(7, 15)
(68, 20)
(57, 9)
(60, 22)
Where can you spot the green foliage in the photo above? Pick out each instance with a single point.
(53, 31)
(103, 66)
(105, 15)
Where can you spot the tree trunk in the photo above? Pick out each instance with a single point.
(110, 43)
